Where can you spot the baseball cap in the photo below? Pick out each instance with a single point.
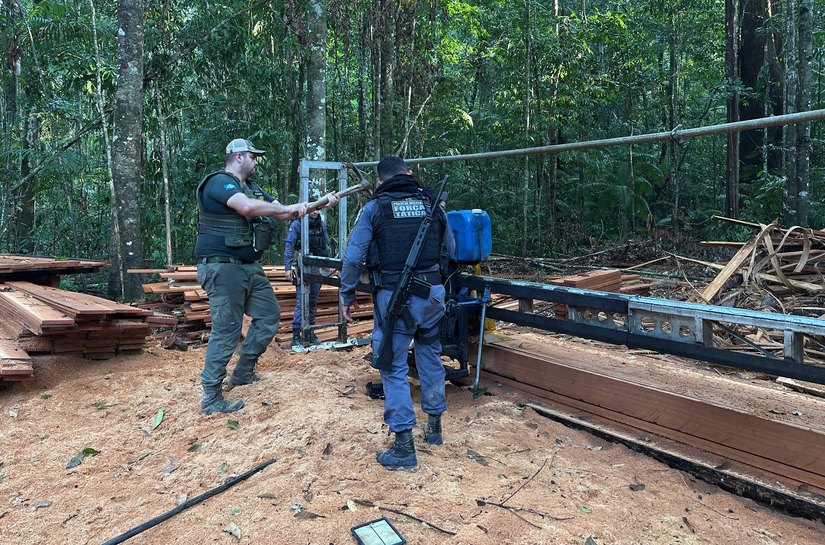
(239, 145)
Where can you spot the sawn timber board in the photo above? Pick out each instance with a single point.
(779, 448)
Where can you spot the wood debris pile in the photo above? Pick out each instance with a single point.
(776, 270)
(180, 294)
(36, 317)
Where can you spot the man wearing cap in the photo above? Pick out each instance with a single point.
(234, 229)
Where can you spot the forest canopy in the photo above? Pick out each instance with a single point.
(113, 111)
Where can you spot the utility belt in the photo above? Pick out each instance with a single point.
(224, 259)
(420, 285)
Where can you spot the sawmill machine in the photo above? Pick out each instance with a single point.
(669, 327)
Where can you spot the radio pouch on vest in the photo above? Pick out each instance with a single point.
(262, 234)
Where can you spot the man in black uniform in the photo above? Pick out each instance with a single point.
(234, 228)
(318, 245)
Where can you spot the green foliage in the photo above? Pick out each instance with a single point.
(221, 70)
(765, 200)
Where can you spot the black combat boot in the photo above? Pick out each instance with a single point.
(296, 338)
(243, 374)
(432, 429)
(213, 401)
(233, 382)
(313, 339)
(401, 455)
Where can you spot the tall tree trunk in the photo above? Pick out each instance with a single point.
(338, 82)
(554, 132)
(732, 76)
(115, 242)
(791, 79)
(377, 70)
(316, 74)
(527, 92)
(164, 162)
(26, 195)
(803, 104)
(673, 77)
(406, 43)
(389, 18)
(540, 130)
(11, 123)
(361, 143)
(317, 91)
(26, 198)
(750, 56)
(127, 145)
(295, 119)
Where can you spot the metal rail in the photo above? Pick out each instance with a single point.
(670, 327)
(676, 133)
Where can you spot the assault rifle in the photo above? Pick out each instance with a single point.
(397, 307)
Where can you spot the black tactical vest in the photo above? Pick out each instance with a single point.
(236, 230)
(317, 238)
(396, 220)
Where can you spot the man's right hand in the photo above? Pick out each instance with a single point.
(288, 273)
(348, 310)
(299, 210)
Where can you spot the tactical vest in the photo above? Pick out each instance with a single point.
(396, 219)
(236, 230)
(317, 238)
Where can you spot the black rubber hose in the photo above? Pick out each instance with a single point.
(169, 514)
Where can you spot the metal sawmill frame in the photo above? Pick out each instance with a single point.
(672, 327)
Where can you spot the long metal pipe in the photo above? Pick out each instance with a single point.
(675, 134)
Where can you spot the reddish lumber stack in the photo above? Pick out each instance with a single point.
(605, 280)
(181, 294)
(42, 319)
(38, 318)
(608, 280)
(15, 364)
(593, 280)
(632, 284)
(12, 266)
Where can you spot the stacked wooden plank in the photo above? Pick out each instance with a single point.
(605, 280)
(609, 280)
(15, 363)
(43, 269)
(43, 319)
(36, 317)
(634, 284)
(181, 294)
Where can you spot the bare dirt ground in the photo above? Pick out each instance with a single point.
(312, 416)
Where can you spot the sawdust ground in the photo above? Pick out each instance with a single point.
(310, 414)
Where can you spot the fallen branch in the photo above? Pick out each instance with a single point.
(514, 510)
(531, 478)
(367, 503)
(733, 265)
(806, 286)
